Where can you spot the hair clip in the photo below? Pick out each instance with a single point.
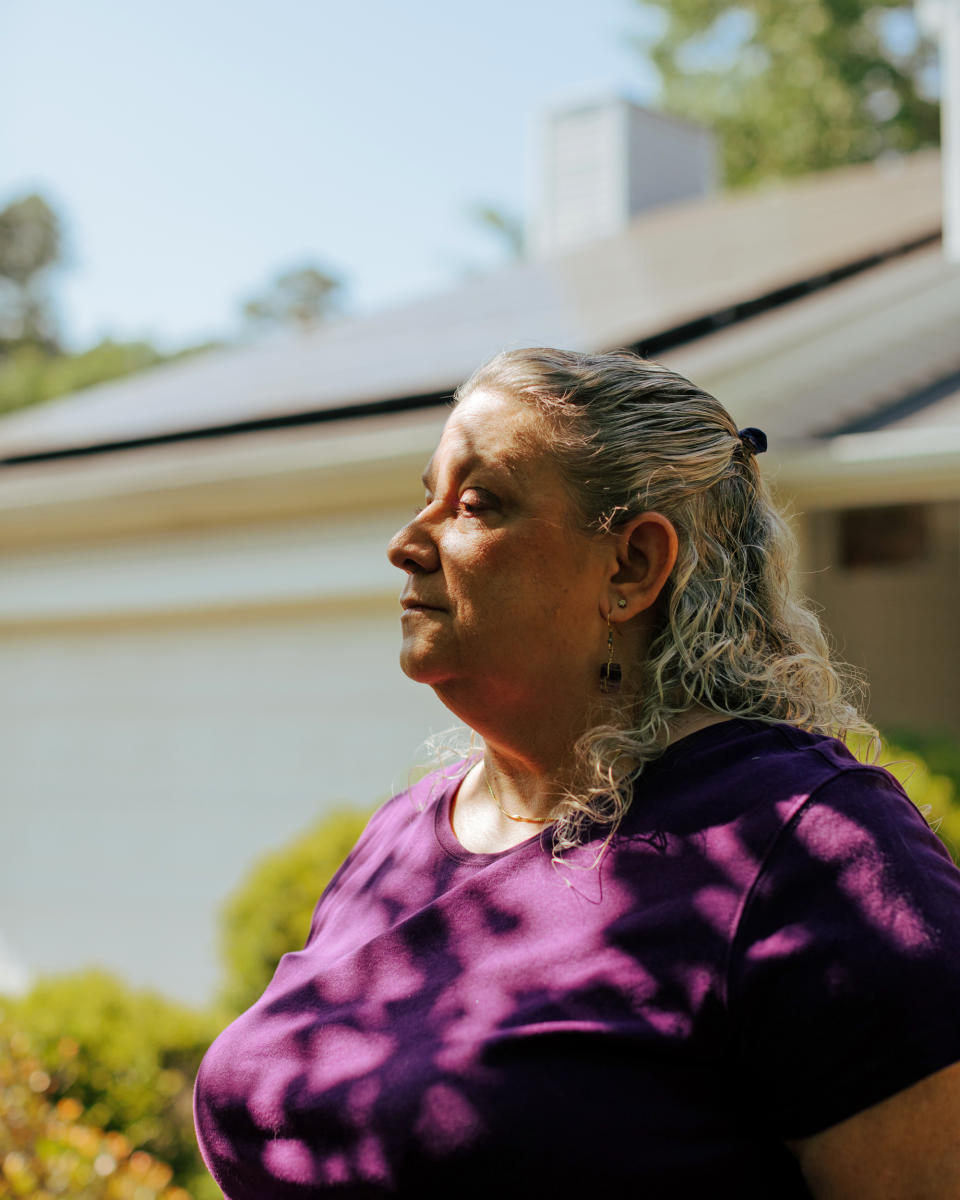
(755, 440)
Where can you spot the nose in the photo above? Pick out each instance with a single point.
(412, 549)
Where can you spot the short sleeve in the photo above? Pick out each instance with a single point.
(844, 976)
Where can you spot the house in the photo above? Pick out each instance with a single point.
(198, 624)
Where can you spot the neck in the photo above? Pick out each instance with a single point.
(527, 745)
(529, 781)
(522, 793)
(518, 818)
(696, 717)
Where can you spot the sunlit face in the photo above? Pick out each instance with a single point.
(505, 594)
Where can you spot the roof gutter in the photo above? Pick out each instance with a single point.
(883, 467)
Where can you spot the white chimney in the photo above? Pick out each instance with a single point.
(941, 18)
(597, 164)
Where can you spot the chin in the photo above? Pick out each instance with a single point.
(419, 665)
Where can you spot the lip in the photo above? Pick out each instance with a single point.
(410, 604)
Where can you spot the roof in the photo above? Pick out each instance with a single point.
(877, 350)
(671, 267)
(871, 361)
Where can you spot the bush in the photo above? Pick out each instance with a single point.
(270, 912)
(126, 1059)
(939, 750)
(928, 766)
(46, 1150)
(96, 1081)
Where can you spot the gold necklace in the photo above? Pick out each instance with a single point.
(512, 816)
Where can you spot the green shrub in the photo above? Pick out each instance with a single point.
(270, 912)
(128, 1058)
(939, 750)
(117, 1064)
(49, 1148)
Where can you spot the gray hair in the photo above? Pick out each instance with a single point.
(733, 635)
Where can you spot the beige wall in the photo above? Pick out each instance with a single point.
(901, 624)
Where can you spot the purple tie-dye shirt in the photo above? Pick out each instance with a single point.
(771, 944)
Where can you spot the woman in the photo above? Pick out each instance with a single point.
(662, 935)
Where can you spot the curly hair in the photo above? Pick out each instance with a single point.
(731, 634)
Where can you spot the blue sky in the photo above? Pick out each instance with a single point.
(194, 149)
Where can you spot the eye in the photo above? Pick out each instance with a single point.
(474, 501)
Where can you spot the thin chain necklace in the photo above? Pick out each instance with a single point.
(512, 816)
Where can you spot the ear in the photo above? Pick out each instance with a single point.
(646, 550)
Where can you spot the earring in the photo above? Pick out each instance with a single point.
(610, 672)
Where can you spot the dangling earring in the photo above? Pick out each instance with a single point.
(610, 672)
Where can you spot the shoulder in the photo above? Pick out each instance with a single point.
(410, 811)
(768, 759)
(832, 811)
(757, 777)
(859, 850)
(843, 976)
(788, 820)
(829, 816)
(425, 794)
(818, 837)
(399, 840)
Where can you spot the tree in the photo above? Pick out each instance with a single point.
(30, 245)
(32, 366)
(30, 374)
(303, 296)
(270, 912)
(801, 86)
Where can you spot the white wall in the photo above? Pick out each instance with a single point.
(145, 767)
(175, 703)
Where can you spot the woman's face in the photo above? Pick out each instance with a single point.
(505, 596)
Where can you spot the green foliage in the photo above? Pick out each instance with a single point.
(939, 749)
(126, 1058)
(303, 296)
(49, 1147)
(270, 912)
(932, 783)
(798, 87)
(96, 1078)
(29, 374)
(933, 759)
(30, 245)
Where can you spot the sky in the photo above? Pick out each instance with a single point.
(194, 149)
